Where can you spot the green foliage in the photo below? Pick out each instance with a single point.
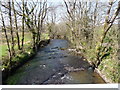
(44, 36)
(109, 68)
(108, 51)
(105, 55)
(21, 57)
(108, 55)
(3, 46)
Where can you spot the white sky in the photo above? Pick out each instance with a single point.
(61, 0)
(55, 2)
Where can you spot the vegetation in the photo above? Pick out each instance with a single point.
(21, 36)
(98, 42)
(91, 27)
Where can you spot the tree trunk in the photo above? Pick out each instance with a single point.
(106, 29)
(11, 29)
(16, 26)
(5, 32)
(23, 21)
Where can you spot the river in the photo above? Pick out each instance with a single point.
(54, 64)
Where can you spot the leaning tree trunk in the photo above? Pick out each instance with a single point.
(5, 32)
(107, 27)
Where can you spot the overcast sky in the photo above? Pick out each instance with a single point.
(59, 11)
(60, 0)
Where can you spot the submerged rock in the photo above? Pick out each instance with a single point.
(72, 69)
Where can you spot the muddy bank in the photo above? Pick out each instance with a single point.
(54, 64)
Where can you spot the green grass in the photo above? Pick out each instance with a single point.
(110, 69)
(28, 37)
(44, 36)
(20, 57)
(3, 50)
(3, 47)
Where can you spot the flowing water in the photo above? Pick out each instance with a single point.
(54, 64)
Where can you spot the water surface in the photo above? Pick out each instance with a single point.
(54, 64)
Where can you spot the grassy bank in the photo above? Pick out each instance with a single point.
(19, 60)
(21, 57)
(3, 45)
(110, 65)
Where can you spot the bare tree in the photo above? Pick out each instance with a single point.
(16, 26)
(71, 7)
(41, 17)
(29, 23)
(95, 14)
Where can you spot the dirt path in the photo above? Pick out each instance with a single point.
(54, 65)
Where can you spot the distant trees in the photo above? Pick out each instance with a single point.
(51, 21)
(71, 8)
(80, 21)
